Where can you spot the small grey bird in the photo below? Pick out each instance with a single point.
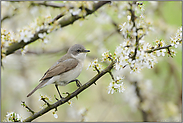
(65, 70)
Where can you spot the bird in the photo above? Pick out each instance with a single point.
(65, 70)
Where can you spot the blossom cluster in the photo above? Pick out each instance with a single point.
(78, 8)
(134, 52)
(125, 51)
(41, 27)
(120, 8)
(177, 39)
(116, 86)
(106, 56)
(12, 117)
(124, 57)
(7, 38)
(95, 65)
(136, 27)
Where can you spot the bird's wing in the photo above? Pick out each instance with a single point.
(60, 68)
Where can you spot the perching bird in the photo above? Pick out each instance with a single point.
(65, 70)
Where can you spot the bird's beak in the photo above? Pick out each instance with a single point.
(86, 51)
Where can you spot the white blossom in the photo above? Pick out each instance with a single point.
(116, 86)
(75, 11)
(129, 17)
(55, 115)
(26, 36)
(44, 37)
(13, 117)
(161, 52)
(105, 56)
(94, 64)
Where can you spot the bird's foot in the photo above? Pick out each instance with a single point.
(78, 83)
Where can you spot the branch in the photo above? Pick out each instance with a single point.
(115, 26)
(144, 113)
(65, 21)
(15, 46)
(54, 5)
(9, 16)
(133, 17)
(72, 95)
(72, 18)
(159, 48)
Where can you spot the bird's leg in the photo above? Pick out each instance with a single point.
(58, 91)
(78, 83)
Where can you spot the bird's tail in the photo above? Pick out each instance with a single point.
(37, 87)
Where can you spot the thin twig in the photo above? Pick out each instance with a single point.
(44, 100)
(57, 17)
(24, 105)
(112, 76)
(141, 36)
(97, 69)
(159, 48)
(116, 26)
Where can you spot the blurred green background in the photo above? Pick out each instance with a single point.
(21, 73)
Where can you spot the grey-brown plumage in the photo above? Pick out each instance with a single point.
(66, 69)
